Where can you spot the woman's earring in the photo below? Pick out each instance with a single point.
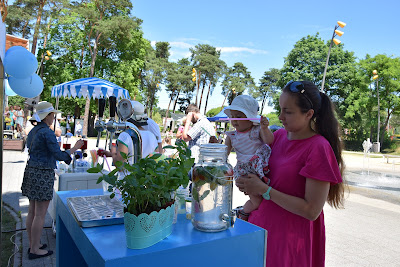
(313, 123)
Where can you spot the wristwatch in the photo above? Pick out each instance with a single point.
(266, 195)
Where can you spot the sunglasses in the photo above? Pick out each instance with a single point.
(298, 87)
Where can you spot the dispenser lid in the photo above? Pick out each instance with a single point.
(212, 148)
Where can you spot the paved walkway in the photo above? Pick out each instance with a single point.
(365, 233)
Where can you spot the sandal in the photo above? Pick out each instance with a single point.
(42, 247)
(36, 256)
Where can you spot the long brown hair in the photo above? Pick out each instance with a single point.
(327, 125)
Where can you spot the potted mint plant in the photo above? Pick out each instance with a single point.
(147, 192)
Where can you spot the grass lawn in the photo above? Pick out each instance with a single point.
(7, 224)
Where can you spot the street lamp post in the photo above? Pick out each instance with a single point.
(336, 32)
(375, 77)
(226, 95)
(195, 78)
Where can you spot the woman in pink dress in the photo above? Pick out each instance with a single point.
(306, 170)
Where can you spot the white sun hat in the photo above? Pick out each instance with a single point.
(138, 112)
(245, 104)
(43, 109)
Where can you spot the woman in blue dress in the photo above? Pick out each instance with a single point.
(38, 180)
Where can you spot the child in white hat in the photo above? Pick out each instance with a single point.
(251, 143)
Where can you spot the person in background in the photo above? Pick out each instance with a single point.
(19, 122)
(58, 135)
(78, 129)
(124, 142)
(67, 126)
(6, 111)
(153, 127)
(200, 133)
(180, 130)
(306, 168)
(38, 181)
(68, 133)
(13, 118)
(168, 152)
(7, 121)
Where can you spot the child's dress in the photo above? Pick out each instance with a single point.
(251, 152)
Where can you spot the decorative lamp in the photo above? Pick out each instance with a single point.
(339, 33)
(341, 24)
(336, 41)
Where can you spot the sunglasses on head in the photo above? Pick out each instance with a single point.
(298, 87)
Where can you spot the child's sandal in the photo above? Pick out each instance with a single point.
(241, 214)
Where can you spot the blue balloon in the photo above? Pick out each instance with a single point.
(28, 87)
(9, 91)
(15, 48)
(20, 63)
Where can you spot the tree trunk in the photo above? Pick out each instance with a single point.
(44, 47)
(148, 101)
(166, 113)
(82, 55)
(176, 101)
(208, 93)
(197, 85)
(201, 97)
(38, 20)
(152, 102)
(262, 105)
(24, 30)
(87, 104)
(384, 127)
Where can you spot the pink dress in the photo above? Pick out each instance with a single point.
(294, 240)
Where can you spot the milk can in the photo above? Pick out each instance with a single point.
(212, 187)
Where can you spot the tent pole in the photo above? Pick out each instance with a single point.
(2, 94)
(55, 120)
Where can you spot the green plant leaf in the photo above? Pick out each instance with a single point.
(155, 156)
(119, 164)
(93, 170)
(205, 194)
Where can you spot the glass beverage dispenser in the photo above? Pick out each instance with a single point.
(212, 187)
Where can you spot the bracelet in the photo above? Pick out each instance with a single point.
(266, 195)
(239, 211)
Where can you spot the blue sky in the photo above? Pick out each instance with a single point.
(261, 33)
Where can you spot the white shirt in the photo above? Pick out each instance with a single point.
(149, 143)
(153, 127)
(200, 134)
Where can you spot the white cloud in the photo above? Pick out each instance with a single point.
(241, 49)
(180, 49)
(182, 45)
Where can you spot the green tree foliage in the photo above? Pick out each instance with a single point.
(153, 73)
(25, 19)
(206, 59)
(177, 82)
(214, 111)
(306, 61)
(239, 78)
(76, 38)
(268, 88)
(388, 84)
(273, 118)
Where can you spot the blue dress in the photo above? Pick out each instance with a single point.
(44, 151)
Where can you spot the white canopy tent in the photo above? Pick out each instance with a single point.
(89, 87)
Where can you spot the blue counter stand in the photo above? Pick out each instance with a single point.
(242, 245)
